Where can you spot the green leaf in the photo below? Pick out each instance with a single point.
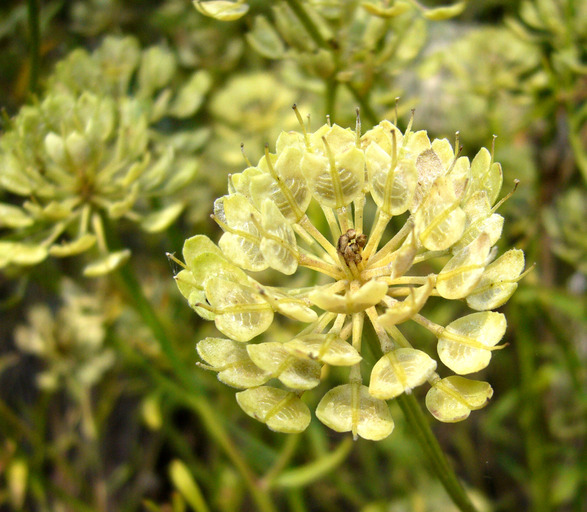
(183, 481)
(265, 40)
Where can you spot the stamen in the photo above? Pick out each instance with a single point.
(395, 110)
(504, 199)
(302, 125)
(244, 155)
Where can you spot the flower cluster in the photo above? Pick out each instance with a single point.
(272, 218)
(70, 341)
(83, 155)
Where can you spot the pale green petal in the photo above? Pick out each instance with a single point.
(107, 264)
(241, 241)
(445, 12)
(498, 282)
(197, 245)
(210, 264)
(462, 273)
(350, 407)
(280, 410)
(337, 187)
(294, 372)
(452, 399)
(392, 189)
(397, 8)
(232, 362)
(21, 254)
(326, 348)
(399, 312)
(288, 189)
(370, 294)
(465, 345)
(77, 246)
(13, 217)
(440, 221)
(222, 10)
(162, 219)
(278, 246)
(241, 313)
(429, 168)
(400, 371)
(485, 176)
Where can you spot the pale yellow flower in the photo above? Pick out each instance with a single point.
(354, 185)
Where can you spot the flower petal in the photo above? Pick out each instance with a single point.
(465, 345)
(280, 410)
(350, 407)
(400, 371)
(326, 348)
(452, 399)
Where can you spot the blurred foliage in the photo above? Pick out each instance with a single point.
(101, 405)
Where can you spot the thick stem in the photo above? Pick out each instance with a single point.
(429, 444)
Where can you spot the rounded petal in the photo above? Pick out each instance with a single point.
(462, 273)
(278, 246)
(400, 371)
(231, 360)
(370, 294)
(465, 345)
(241, 313)
(439, 220)
(280, 410)
(294, 372)
(399, 312)
(452, 399)
(498, 282)
(326, 348)
(350, 407)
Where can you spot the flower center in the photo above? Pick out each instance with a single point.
(350, 246)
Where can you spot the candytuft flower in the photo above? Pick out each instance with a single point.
(354, 185)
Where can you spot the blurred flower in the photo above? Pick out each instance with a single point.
(499, 80)
(566, 223)
(70, 341)
(273, 218)
(82, 155)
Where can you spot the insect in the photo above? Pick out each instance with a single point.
(350, 246)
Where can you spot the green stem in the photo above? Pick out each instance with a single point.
(330, 98)
(316, 36)
(530, 411)
(35, 45)
(301, 13)
(429, 444)
(366, 110)
(145, 309)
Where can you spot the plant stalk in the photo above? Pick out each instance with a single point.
(429, 444)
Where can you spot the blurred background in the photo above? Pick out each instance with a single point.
(101, 405)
